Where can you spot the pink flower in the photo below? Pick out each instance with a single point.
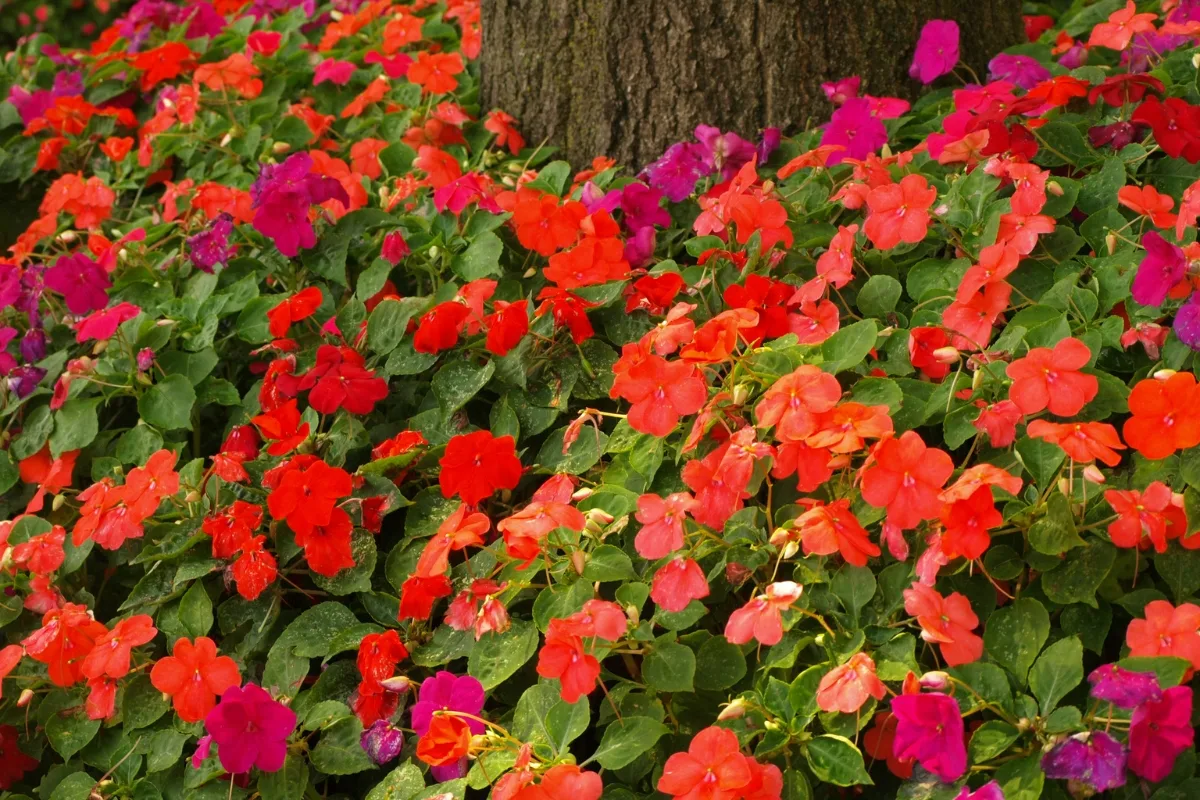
(677, 583)
(334, 71)
(1163, 266)
(937, 51)
(856, 129)
(929, 728)
(762, 618)
(1159, 731)
(101, 325)
(250, 729)
(842, 90)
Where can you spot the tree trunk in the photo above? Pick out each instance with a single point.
(626, 78)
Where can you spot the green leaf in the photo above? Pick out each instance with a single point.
(75, 426)
(990, 740)
(848, 347)
(137, 444)
(1180, 569)
(70, 733)
(397, 158)
(402, 783)
(141, 704)
(835, 759)
(626, 740)
(1022, 779)
(1079, 576)
(9, 474)
(195, 610)
(1057, 671)
(670, 667)
(1170, 670)
(1055, 533)
(879, 295)
(1015, 634)
(76, 786)
(719, 664)
(542, 716)
(498, 655)
(854, 587)
(608, 563)
(168, 403)
(339, 752)
(552, 178)
(582, 455)
(388, 322)
(457, 382)
(480, 259)
(1040, 459)
(288, 783)
(1099, 188)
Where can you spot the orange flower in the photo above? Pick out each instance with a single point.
(899, 212)
(906, 479)
(194, 676)
(1167, 631)
(51, 476)
(1166, 415)
(846, 688)
(1051, 379)
(448, 740)
(236, 72)
(1146, 517)
(117, 147)
(375, 91)
(163, 63)
(967, 524)
(833, 528)
(794, 401)
(1083, 442)
(434, 72)
(948, 621)
(1148, 202)
(845, 429)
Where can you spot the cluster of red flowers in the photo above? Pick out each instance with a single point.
(112, 514)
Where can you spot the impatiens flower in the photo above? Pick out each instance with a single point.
(562, 782)
(1165, 415)
(475, 465)
(1161, 269)
(340, 379)
(299, 306)
(1145, 517)
(211, 246)
(999, 421)
(1047, 378)
(65, 639)
(1093, 759)
(1024, 71)
(854, 131)
(989, 791)
(662, 524)
(660, 392)
(967, 523)
(713, 768)
(255, 569)
(846, 688)
(906, 479)
(101, 325)
(334, 71)
(434, 72)
(419, 593)
(14, 762)
(81, 281)
(1083, 442)
(446, 691)
(899, 212)
(947, 621)
(283, 428)
(1167, 631)
(677, 583)
(762, 618)
(678, 170)
(792, 403)
(194, 675)
(929, 728)
(250, 730)
(446, 742)
(1121, 27)
(832, 528)
(306, 498)
(283, 194)
(937, 51)
(1159, 731)
(111, 654)
(1187, 322)
(1148, 202)
(838, 92)
(1123, 688)
(382, 742)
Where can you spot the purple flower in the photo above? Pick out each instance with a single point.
(145, 358)
(678, 170)
(771, 137)
(267, 9)
(382, 741)
(204, 20)
(1187, 322)
(82, 282)
(1123, 688)
(1163, 266)
(33, 345)
(448, 692)
(10, 284)
(8, 362)
(250, 729)
(989, 791)
(855, 128)
(1145, 48)
(1116, 135)
(1186, 11)
(282, 195)
(1095, 759)
(639, 248)
(642, 209)
(929, 728)
(937, 51)
(724, 152)
(211, 246)
(596, 199)
(842, 90)
(1024, 71)
(1159, 731)
(1074, 58)
(23, 380)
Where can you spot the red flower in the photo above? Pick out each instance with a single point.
(43, 553)
(948, 621)
(1051, 379)
(419, 593)
(434, 72)
(378, 655)
(652, 293)
(996, 262)
(327, 547)
(13, 762)
(112, 651)
(163, 63)
(662, 524)
(504, 126)
(439, 328)
(999, 422)
(307, 497)
(50, 476)
(906, 478)
(877, 742)
(967, 523)
(762, 618)
(194, 675)
(506, 326)
(542, 225)
(1166, 415)
(563, 657)
(101, 701)
(340, 379)
(713, 768)
(677, 583)
(231, 527)
(833, 528)
(459, 530)
(899, 212)
(923, 344)
(525, 530)
(255, 568)
(569, 311)
(477, 464)
(299, 306)
(1083, 442)
(1146, 517)
(283, 428)
(66, 637)
(660, 392)
(563, 782)
(479, 609)
(1175, 123)
(793, 402)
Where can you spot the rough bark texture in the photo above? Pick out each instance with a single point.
(626, 78)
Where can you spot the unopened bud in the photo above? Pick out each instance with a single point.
(976, 380)
(600, 516)
(741, 393)
(1064, 486)
(886, 152)
(279, 148)
(935, 681)
(1053, 187)
(227, 139)
(582, 494)
(1024, 724)
(1163, 374)
(100, 347)
(480, 741)
(632, 614)
(946, 355)
(434, 251)
(780, 536)
(1092, 473)
(733, 710)
(192, 496)
(529, 273)
(839, 461)
(772, 725)
(578, 561)
(790, 549)
(59, 500)
(942, 210)
(397, 683)
(1110, 241)
(1196, 61)
(1177, 500)
(68, 237)
(25, 698)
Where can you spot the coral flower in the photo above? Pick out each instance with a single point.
(833, 528)
(713, 768)
(677, 583)
(948, 621)
(111, 654)
(792, 403)
(194, 675)
(899, 212)
(447, 741)
(906, 479)
(662, 524)
(762, 618)
(1083, 442)
(1145, 517)
(846, 688)
(1167, 631)
(1166, 415)
(1051, 379)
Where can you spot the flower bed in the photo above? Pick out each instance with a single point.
(354, 446)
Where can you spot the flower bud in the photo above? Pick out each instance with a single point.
(1177, 499)
(58, 501)
(68, 237)
(1110, 241)
(578, 561)
(790, 549)
(1054, 188)
(633, 614)
(935, 681)
(582, 494)
(1163, 374)
(1024, 724)
(25, 698)
(733, 710)
(145, 358)
(741, 393)
(1196, 61)
(529, 273)
(100, 347)
(394, 248)
(382, 742)
(1064, 487)
(941, 210)
(1092, 473)
(397, 683)
(946, 355)
(279, 148)
(227, 139)
(434, 251)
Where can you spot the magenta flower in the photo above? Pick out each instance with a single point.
(250, 729)
(1159, 731)
(394, 247)
(842, 90)
(642, 209)
(639, 248)
(855, 128)
(1163, 266)
(8, 361)
(887, 107)
(1074, 58)
(937, 51)
(1024, 71)
(678, 170)
(334, 71)
(33, 345)
(1116, 135)
(1095, 759)
(1187, 322)
(10, 285)
(771, 138)
(382, 741)
(446, 691)
(1123, 688)
(82, 282)
(989, 791)
(145, 359)
(211, 246)
(23, 380)
(724, 152)
(596, 199)
(204, 20)
(282, 196)
(929, 728)
(101, 325)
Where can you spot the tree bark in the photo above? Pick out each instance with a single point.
(627, 78)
